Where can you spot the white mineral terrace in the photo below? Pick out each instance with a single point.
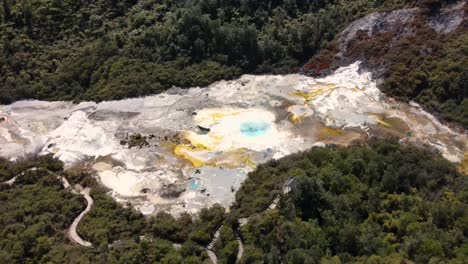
(206, 140)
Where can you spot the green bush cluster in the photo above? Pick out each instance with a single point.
(135, 140)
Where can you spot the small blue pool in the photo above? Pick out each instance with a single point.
(254, 129)
(193, 184)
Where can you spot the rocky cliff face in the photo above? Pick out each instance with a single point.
(369, 38)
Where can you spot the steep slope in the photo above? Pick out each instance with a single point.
(418, 54)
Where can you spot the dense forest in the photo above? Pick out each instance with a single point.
(36, 211)
(107, 49)
(382, 203)
(375, 203)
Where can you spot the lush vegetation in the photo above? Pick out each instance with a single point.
(8, 170)
(433, 71)
(106, 49)
(34, 214)
(375, 203)
(382, 203)
(36, 211)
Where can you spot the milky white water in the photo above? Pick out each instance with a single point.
(204, 141)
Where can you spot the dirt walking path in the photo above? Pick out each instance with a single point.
(72, 234)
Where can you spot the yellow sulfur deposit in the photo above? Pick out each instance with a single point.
(357, 89)
(187, 153)
(205, 142)
(298, 112)
(315, 92)
(232, 158)
(234, 136)
(295, 119)
(325, 133)
(381, 121)
(244, 157)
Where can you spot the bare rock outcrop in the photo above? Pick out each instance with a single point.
(369, 38)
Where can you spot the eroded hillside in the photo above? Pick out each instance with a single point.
(417, 54)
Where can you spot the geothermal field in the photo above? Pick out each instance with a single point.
(183, 150)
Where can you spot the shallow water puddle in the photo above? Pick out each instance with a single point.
(254, 129)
